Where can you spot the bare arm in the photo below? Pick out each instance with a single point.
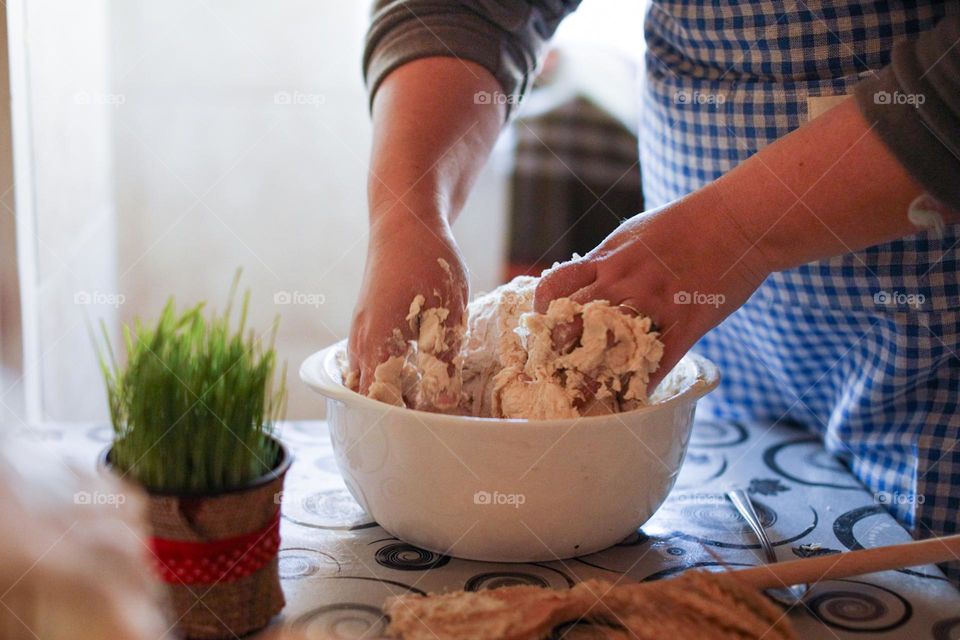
(430, 140)
(828, 188)
(424, 63)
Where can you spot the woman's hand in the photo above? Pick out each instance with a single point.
(404, 260)
(431, 137)
(686, 265)
(828, 188)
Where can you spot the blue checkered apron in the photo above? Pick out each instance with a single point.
(863, 347)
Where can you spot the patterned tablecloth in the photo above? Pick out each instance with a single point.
(338, 566)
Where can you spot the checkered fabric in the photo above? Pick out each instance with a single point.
(862, 348)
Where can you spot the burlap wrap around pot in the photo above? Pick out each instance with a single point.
(227, 606)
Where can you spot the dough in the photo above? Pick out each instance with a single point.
(418, 377)
(492, 343)
(697, 604)
(571, 361)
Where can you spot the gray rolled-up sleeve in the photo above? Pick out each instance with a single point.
(914, 106)
(506, 37)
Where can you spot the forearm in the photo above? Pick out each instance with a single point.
(431, 138)
(828, 188)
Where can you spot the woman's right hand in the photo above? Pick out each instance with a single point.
(431, 136)
(406, 257)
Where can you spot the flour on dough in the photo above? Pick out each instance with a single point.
(418, 376)
(575, 359)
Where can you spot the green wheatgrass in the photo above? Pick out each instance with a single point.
(195, 406)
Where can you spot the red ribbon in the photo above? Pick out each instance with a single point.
(223, 560)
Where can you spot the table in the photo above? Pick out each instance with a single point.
(338, 566)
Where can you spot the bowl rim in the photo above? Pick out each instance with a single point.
(313, 371)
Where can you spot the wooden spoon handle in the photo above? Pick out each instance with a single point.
(852, 563)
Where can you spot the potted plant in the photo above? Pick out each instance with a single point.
(194, 411)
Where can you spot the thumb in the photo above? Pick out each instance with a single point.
(563, 280)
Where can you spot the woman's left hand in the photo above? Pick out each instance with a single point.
(686, 265)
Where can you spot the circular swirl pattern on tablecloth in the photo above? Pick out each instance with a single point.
(710, 519)
(406, 557)
(333, 509)
(497, 579)
(296, 563)
(714, 435)
(344, 621)
(534, 574)
(360, 616)
(717, 513)
(808, 464)
(852, 605)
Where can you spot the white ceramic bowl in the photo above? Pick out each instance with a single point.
(509, 490)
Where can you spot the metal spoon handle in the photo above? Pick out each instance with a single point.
(741, 500)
